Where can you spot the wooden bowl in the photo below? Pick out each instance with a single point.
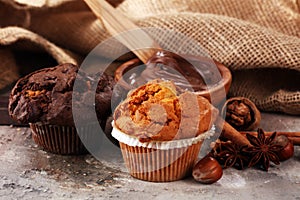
(217, 91)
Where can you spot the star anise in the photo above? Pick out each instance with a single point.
(263, 150)
(230, 155)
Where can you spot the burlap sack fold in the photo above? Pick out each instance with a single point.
(280, 15)
(259, 41)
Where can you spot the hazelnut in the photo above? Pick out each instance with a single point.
(241, 113)
(288, 147)
(207, 170)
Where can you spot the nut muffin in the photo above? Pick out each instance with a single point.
(160, 130)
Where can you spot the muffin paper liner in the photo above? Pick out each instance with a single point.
(163, 145)
(60, 139)
(160, 161)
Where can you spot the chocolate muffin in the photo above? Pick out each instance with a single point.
(44, 100)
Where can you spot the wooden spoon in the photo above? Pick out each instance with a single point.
(119, 25)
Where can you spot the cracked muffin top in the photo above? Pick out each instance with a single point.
(158, 111)
(46, 95)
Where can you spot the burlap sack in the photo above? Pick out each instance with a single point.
(258, 40)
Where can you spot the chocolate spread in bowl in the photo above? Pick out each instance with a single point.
(188, 72)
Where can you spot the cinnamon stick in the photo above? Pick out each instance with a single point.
(231, 133)
(293, 136)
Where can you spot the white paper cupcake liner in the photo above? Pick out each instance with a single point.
(163, 145)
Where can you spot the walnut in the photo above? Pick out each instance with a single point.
(241, 113)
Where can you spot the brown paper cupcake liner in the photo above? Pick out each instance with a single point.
(159, 161)
(61, 139)
(160, 165)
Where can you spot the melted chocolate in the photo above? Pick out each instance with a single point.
(186, 74)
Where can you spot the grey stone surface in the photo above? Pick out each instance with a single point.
(27, 172)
